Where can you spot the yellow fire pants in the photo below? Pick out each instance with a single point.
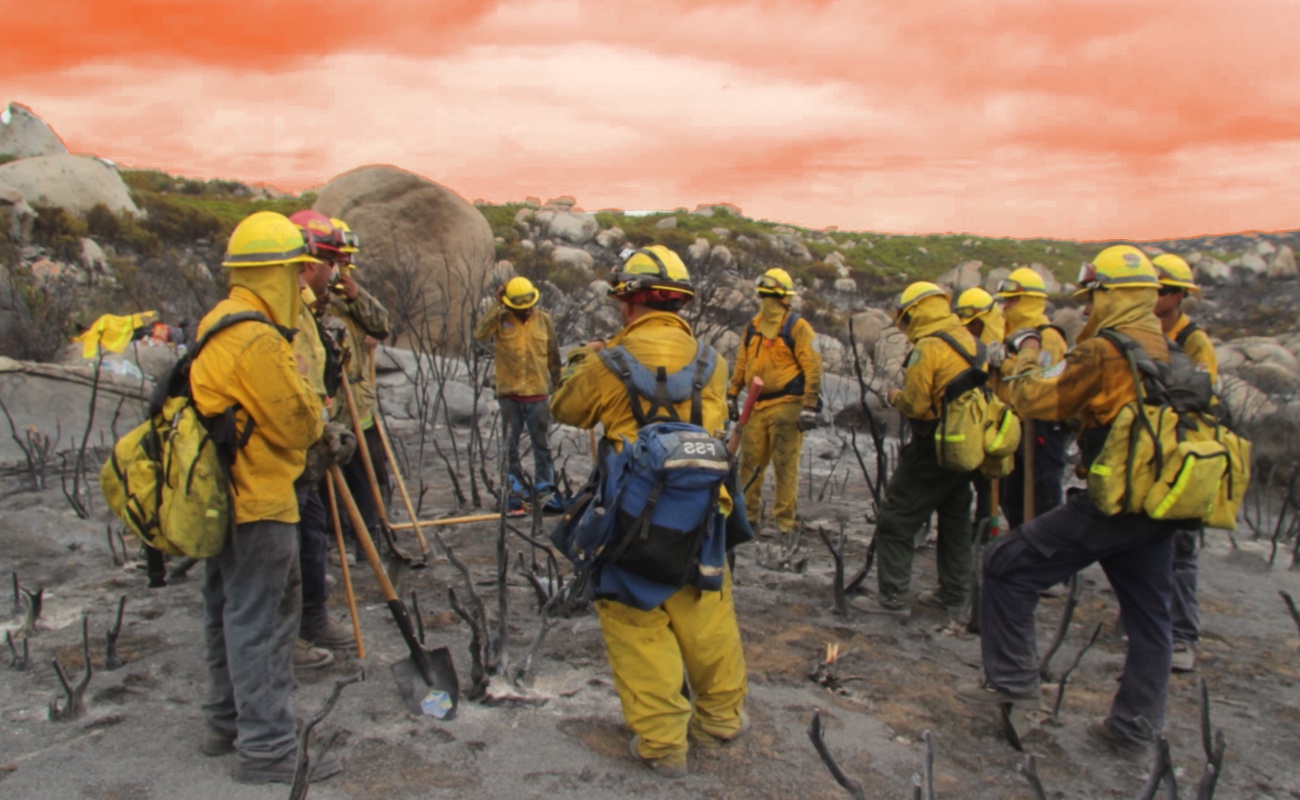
(646, 652)
(772, 435)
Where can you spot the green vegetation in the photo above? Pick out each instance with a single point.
(184, 210)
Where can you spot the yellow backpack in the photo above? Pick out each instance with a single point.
(1166, 455)
(168, 479)
(976, 429)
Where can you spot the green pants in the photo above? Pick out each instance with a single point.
(772, 436)
(918, 488)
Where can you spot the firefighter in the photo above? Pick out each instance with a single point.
(651, 629)
(777, 347)
(1093, 383)
(1176, 282)
(919, 486)
(527, 366)
(1023, 296)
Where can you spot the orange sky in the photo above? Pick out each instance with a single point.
(1063, 118)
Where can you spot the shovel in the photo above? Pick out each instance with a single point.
(404, 558)
(427, 680)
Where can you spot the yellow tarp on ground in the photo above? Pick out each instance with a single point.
(113, 332)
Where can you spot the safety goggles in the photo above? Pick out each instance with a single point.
(1008, 286)
(968, 313)
(769, 284)
(1165, 291)
(522, 299)
(350, 239)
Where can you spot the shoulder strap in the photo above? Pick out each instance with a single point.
(750, 332)
(787, 329)
(661, 390)
(225, 322)
(1186, 333)
(976, 361)
(1059, 330)
(1140, 364)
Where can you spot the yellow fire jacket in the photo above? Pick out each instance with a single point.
(527, 353)
(364, 316)
(766, 355)
(252, 366)
(1093, 382)
(592, 394)
(933, 363)
(1198, 346)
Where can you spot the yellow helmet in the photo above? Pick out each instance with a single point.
(917, 292)
(351, 243)
(973, 304)
(1022, 282)
(519, 294)
(268, 239)
(776, 282)
(1120, 266)
(1172, 270)
(654, 270)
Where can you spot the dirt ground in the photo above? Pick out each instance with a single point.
(141, 734)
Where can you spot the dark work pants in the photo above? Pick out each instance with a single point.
(354, 474)
(1137, 555)
(918, 488)
(535, 417)
(313, 558)
(252, 600)
(1185, 610)
(1052, 440)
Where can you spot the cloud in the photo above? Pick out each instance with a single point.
(1006, 117)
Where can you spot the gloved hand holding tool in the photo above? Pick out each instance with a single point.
(807, 420)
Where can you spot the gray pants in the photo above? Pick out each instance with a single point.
(534, 417)
(252, 603)
(1185, 610)
(1136, 553)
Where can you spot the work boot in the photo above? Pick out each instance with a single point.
(669, 767)
(708, 741)
(880, 607)
(332, 634)
(515, 507)
(1184, 659)
(985, 694)
(336, 561)
(282, 771)
(1100, 731)
(307, 657)
(554, 505)
(215, 743)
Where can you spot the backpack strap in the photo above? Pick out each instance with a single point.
(974, 376)
(661, 390)
(1186, 333)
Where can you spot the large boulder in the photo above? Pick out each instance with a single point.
(1283, 264)
(1070, 320)
(24, 135)
(21, 215)
(1212, 270)
(572, 258)
(868, 326)
(74, 183)
(833, 355)
(428, 251)
(961, 277)
(570, 226)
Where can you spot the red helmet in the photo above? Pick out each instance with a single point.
(322, 231)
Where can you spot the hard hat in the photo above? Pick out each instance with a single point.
(1022, 282)
(776, 282)
(350, 242)
(917, 292)
(267, 239)
(520, 294)
(973, 304)
(655, 270)
(1120, 266)
(321, 229)
(1172, 270)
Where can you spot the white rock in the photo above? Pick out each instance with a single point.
(572, 258)
(846, 286)
(1265, 248)
(74, 183)
(666, 224)
(995, 278)
(699, 251)
(1283, 264)
(611, 238)
(720, 257)
(24, 135)
(92, 256)
(573, 227)
(961, 277)
(1249, 262)
(1212, 270)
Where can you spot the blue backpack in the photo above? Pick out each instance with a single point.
(651, 509)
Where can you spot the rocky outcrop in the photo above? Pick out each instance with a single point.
(961, 277)
(572, 227)
(74, 183)
(25, 135)
(428, 251)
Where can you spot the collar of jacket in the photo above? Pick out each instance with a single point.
(931, 316)
(1030, 312)
(652, 319)
(1130, 309)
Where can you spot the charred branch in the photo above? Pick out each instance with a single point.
(1162, 771)
(32, 618)
(1290, 606)
(74, 707)
(1063, 628)
(929, 765)
(837, 554)
(1065, 676)
(18, 663)
(815, 733)
(1030, 770)
(1215, 746)
(112, 660)
(302, 775)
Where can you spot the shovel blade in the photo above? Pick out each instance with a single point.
(438, 699)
